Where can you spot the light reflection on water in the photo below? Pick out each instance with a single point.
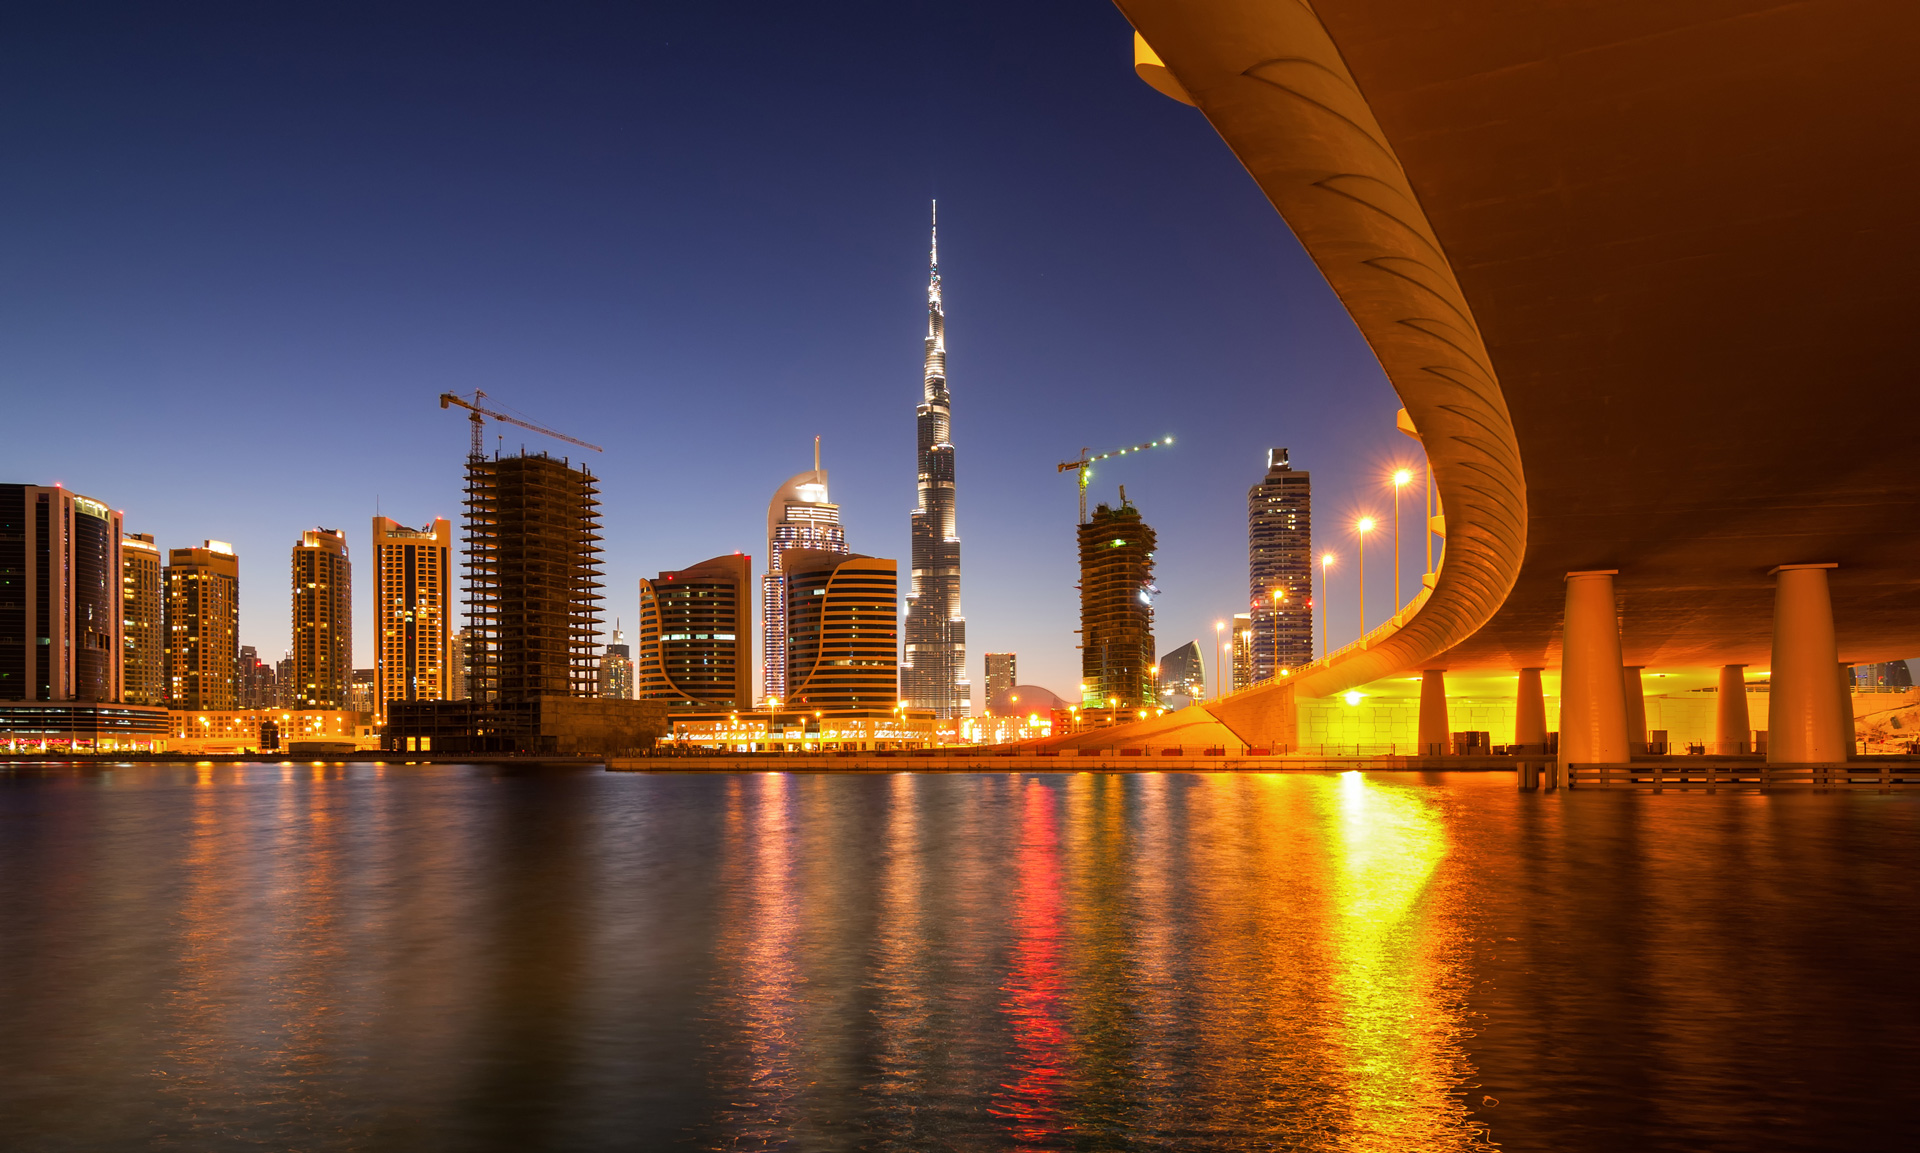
(345, 957)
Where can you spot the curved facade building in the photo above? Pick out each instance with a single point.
(843, 631)
(800, 516)
(694, 646)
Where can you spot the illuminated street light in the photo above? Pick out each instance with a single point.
(1218, 626)
(1400, 479)
(1363, 526)
(1326, 562)
(1279, 598)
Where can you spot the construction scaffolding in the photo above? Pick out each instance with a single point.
(1116, 609)
(533, 578)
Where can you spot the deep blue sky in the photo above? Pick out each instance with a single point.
(243, 248)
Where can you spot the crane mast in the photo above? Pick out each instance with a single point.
(476, 415)
(1084, 466)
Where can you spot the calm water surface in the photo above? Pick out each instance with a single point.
(476, 957)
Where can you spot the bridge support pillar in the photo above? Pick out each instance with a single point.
(1593, 706)
(1731, 726)
(1805, 724)
(1530, 713)
(1635, 696)
(1435, 735)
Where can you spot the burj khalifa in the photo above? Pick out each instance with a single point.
(933, 667)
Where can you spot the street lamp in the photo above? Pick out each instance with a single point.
(1326, 562)
(1279, 598)
(1363, 526)
(1156, 684)
(1218, 626)
(1400, 479)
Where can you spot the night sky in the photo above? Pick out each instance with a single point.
(246, 247)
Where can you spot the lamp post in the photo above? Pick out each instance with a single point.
(1156, 684)
(1400, 479)
(1326, 562)
(1363, 526)
(1279, 598)
(1218, 626)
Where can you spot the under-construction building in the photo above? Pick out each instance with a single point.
(533, 623)
(533, 579)
(1116, 608)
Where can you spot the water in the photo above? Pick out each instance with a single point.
(480, 957)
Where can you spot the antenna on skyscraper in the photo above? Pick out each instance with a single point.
(816, 454)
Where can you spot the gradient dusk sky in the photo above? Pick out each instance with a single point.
(247, 245)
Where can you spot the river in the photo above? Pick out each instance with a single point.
(359, 956)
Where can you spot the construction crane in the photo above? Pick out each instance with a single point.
(1085, 466)
(477, 415)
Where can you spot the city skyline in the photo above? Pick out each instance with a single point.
(1107, 257)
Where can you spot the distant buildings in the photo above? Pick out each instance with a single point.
(255, 685)
(1183, 676)
(1280, 559)
(203, 627)
(413, 638)
(143, 617)
(61, 615)
(933, 667)
(363, 691)
(457, 667)
(616, 669)
(798, 517)
(322, 620)
(696, 637)
(1001, 674)
(1116, 610)
(843, 633)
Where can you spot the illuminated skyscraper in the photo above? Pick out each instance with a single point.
(1116, 608)
(203, 628)
(143, 617)
(254, 686)
(843, 629)
(412, 612)
(696, 637)
(933, 666)
(798, 517)
(61, 611)
(616, 669)
(322, 620)
(1280, 558)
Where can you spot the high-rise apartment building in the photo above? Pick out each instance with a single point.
(322, 620)
(800, 516)
(283, 695)
(203, 627)
(1002, 674)
(1116, 608)
(143, 616)
(457, 667)
(696, 637)
(616, 668)
(61, 596)
(1280, 560)
(412, 612)
(843, 631)
(933, 666)
(533, 579)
